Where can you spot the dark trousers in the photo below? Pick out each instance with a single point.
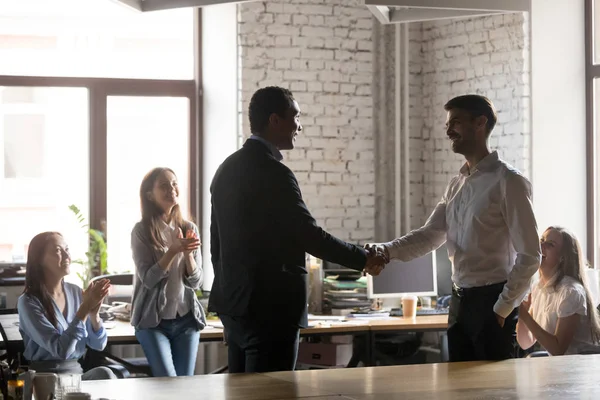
(260, 347)
(474, 333)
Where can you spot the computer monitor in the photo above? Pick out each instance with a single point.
(417, 277)
(444, 271)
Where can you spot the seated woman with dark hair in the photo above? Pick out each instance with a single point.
(57, 319)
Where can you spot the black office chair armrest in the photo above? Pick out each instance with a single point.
(538, 354)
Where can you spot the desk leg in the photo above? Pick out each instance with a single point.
(445, 354)
(370, 349)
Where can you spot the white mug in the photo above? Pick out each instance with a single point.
(44, 385)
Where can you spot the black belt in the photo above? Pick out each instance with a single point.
(463, 292)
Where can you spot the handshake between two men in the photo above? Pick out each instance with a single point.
(377, 257)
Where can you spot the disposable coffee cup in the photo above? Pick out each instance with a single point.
(409, 306)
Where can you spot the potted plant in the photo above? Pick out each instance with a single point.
(94, 263)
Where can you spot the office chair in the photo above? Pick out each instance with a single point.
(12, 356)
(536, 354)
(93, 358)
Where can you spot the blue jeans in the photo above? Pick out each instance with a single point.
(171, 348)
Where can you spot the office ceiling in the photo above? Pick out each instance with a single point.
(386, 11)
(156, 5)
(399, 11)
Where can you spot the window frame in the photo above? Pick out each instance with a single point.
(98, 91)
(592, 72)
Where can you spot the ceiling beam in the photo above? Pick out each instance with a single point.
(381, 13)
(133, 4)
(400, 15)
(156, 5)
(480, 5)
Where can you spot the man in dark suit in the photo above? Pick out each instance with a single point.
(260, 232)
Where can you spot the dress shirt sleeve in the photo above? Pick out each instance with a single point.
(517, 211)
(424, 240)
(573, 301)
(34, 323)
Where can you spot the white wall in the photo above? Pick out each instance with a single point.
(220, 104)
(452, 57)
(559, 114)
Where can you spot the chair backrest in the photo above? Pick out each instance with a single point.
(593, 276)
(122, 287)
(116, 279)
(14, 349)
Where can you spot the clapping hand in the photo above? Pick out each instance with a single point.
(525, 305)
(94, 295)
(192, 240)
(376, 259)
(186, 245)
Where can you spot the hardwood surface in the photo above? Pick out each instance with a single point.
(566, 377)
(422, 322)
(213, 387)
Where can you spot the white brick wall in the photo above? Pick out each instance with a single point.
(488, 56)
(322, 51)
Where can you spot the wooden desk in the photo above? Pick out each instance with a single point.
(124, 334)
(421, 324)
(213, 387)
(566, 377)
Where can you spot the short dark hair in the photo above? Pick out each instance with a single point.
(477, 106)
(266, 101)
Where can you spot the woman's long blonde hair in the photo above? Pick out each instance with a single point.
(573, 264)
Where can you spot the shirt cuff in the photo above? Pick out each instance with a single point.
(100, 332)
(503, 309)
(388, 248)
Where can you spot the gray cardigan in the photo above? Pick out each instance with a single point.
(150, 280)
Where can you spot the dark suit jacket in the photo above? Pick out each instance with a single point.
(260, 231)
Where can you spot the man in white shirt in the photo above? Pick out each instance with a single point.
(486, 219)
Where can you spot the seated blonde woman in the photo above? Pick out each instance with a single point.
(559, 313)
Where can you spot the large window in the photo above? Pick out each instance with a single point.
(94, 38)
(157, 128)
(593, 122)
(92, 96)
(44, 160)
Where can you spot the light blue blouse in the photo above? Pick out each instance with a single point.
(45, 342)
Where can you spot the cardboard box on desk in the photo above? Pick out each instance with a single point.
(326, 354)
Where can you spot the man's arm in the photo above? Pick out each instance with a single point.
(420, 241)
(517, 211)
(306, 233)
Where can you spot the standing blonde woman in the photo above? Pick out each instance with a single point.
(560, 314)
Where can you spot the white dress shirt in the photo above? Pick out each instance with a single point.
(174, 290)
(486, 219)
(549, 303)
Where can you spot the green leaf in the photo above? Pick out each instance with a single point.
(96, 254)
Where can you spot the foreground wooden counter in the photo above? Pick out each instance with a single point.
(561, 378)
